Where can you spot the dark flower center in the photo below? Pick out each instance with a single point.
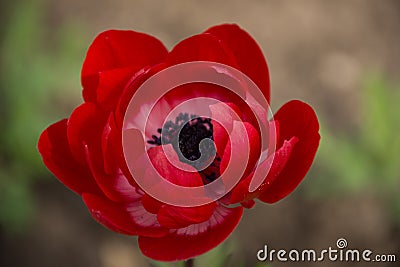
(191, 137)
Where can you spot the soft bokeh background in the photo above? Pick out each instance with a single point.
(342, 57)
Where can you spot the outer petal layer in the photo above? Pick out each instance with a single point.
(178, 217)
(116, 49)
(129, 218)
(297, 119)
(191, 241)
(85, 127)
(54, 148)
(241, 192)
(202, 47)
(247, 53)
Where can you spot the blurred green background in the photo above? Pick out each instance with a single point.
(342, 57)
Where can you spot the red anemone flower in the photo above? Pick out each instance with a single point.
(87, 152)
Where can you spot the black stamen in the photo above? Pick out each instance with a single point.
(191, 135)
(185, 135)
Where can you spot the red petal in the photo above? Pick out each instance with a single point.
(135, 82)
(178, 217)
(110, 86)
(222, 116)
(54, 149)
(154, 172)
(241, 192)
(114, 159)
(116, 185)
(112, 146)
(134, 148)
(295, 119)
(248, 54)
(169, 171)
(202, 47)
(151, 204)
(237, 144)
(129, 218)
(248, 204)
(196, 239)
(116, 49)
(85, 126)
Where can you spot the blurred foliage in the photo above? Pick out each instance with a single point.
(36, 88)
(263, 265)
(367, 160)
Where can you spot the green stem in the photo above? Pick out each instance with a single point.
(189, 263)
